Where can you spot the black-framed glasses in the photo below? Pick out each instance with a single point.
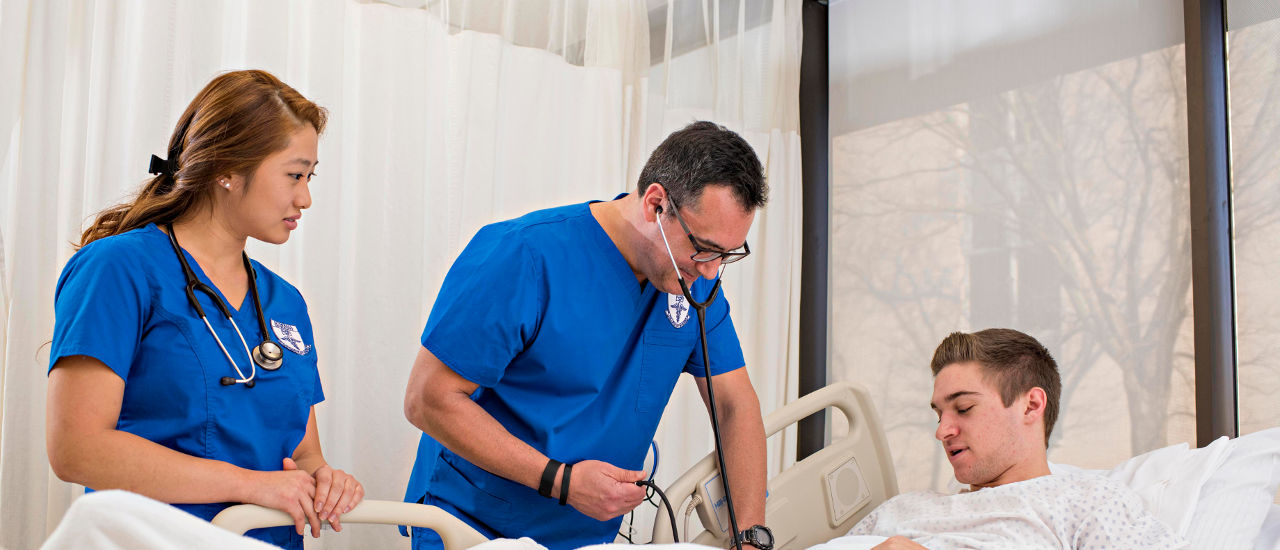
(703, 254)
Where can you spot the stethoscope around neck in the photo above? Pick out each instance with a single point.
(701, 309)
(267, 354)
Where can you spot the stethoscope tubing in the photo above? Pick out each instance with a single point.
(701, 309)
(272, 356)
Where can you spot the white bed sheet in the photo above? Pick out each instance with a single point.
(120, 520)
(851, 542)
(526, 543)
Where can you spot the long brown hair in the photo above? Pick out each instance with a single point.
(236, 121)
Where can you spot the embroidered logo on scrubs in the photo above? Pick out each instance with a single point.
(290, 337)
(677, 310)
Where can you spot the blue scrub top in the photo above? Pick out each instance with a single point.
(122, 301)
(573, 356)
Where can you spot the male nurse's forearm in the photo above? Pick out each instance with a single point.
(438, 402)
(742, 430)
(745, 454)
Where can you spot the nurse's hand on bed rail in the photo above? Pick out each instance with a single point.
(603, 491)
(291, 491)
(337, 492)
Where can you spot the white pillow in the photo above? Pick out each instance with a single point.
(1234, 502)
(1215, 496)
(1168, 480)
(1269, 536)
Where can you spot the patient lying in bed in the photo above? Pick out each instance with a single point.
(1075, 511)
(996, 397)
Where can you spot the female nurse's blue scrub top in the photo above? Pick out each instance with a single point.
(122, 301)
(572, 355)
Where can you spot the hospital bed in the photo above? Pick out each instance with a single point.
(823, 496)
(841, 483)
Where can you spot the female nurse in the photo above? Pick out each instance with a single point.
(180, 369)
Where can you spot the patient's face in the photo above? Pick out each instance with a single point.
(981, 437)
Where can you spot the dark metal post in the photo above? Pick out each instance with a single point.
(814, 147)
(1213, 285)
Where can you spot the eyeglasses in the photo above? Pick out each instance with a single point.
(703, 254)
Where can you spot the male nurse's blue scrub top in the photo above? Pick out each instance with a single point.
(122, 301)
(572, 355)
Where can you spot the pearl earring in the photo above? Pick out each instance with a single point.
(225, 184)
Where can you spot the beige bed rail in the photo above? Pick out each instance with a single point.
(456, 534)
(813, 501)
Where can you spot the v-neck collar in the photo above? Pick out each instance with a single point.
(623, 274)
(202, 277)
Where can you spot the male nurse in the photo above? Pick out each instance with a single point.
(557, 338)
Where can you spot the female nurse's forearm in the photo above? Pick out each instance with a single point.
(308, 455)
(83, 407)
(120, 460)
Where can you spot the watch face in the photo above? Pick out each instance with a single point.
(763, 535)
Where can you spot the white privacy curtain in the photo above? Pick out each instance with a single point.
(445, 115)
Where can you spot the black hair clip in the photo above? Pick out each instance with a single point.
(164, 167)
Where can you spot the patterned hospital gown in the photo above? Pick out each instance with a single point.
(1077, 511)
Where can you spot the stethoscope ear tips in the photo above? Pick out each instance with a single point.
(268, 355)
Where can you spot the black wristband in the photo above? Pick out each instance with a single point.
(564, 484)
(548, 477)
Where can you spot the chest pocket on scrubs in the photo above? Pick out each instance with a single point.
(666, 350)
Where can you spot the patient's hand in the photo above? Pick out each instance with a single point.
(898, 543)
(337, 492)
(603, 491)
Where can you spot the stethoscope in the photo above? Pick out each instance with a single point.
(267, 355)
(701, 308)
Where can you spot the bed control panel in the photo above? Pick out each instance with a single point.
(712, 492)
(848, 477)
(847, 490)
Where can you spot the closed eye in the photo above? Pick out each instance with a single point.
(964, 410)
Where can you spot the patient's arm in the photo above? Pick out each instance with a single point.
(898, 543)
(84, 446)
(742, 429)
(438, 401)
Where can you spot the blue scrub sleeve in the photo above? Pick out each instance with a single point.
(722, 339)
(100, 306)
(488, 307)
(317, 390)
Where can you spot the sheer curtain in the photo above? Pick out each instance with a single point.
(1008, 164)
(445, 115)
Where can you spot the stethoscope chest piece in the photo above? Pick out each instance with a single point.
(268, 355)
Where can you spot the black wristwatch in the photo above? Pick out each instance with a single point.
(758, 536)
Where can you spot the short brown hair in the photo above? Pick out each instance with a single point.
(1016, 361)
(701, 154)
